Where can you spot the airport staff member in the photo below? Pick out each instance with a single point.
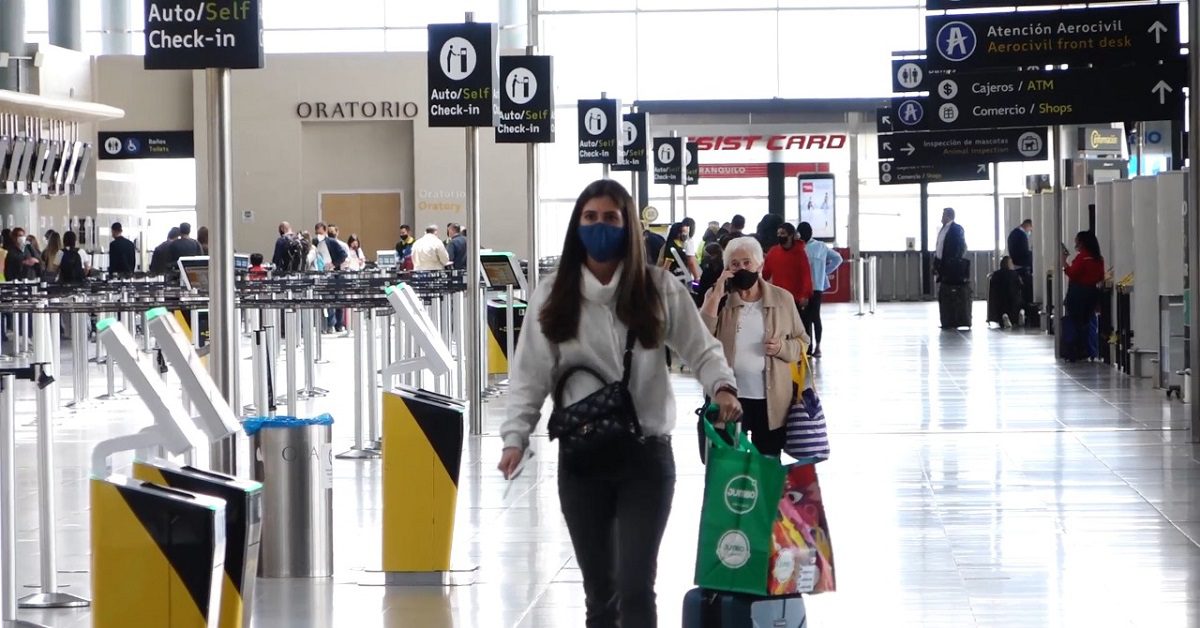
(429, 253)
(122, 255)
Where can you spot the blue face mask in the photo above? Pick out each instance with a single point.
(604, 243)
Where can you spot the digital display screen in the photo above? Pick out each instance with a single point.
(194, 273)
(818, 205)
(499, 271)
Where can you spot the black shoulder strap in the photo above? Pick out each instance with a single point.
(630, 339)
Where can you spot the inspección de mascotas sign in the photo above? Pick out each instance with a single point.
(199, 35)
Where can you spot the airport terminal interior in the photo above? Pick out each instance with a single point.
(274, 276)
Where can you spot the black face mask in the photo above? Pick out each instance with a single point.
(744, 279)
(785, 240)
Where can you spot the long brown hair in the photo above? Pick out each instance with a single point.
(639, 303)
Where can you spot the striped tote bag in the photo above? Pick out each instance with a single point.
(807, 437)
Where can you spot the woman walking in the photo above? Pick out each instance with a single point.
(605, 309)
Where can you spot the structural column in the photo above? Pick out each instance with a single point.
(117, 26)
(222, 317)
(13, 209)
(853, 216)
(66, 25)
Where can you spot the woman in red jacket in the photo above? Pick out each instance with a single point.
(787, 267)
(1084, 275)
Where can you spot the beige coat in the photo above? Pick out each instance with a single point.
(782, 321)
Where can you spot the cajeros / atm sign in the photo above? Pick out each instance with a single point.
(816, 141)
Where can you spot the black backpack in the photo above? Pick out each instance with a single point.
(294, 256)
(70, 270)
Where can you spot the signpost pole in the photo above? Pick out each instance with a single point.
(680, 157)
(531, 192)
(1141, 148)
(999, 248)
(926, 267)
(475, 313)
(1056, 279)
(605, 168)
(1193, 222)
(222, 320)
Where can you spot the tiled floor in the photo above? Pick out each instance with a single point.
(975, 482)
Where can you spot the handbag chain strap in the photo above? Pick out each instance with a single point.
(630, 339)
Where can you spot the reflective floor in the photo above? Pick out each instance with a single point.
(974, 482)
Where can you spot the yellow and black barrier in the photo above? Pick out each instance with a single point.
(422, 455)
(243, 528)
(497, 337)
(157, 555)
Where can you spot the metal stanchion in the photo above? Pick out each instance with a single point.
(358, 451)
(447, 329)
(510, 333)
(79, 362)
(56, 356)
(873, 281)
(110, 383)
(374, 429)
(460, 338)
(291, 329)
(4, 330)
(310, 390)
(860, 268)
(387, 346)
(8, 492)
(273, 347)
(100, 356)
(49, 596)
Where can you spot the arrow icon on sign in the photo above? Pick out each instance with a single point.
(1158, 28)
(1161, 89)
(909, 150)
(887, 147)
(981, 169)
(886, 120)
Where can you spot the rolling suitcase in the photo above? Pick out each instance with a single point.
(712, 609)
(954, 305)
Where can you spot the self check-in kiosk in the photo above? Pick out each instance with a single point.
(504, 310)
(432, 353)
(216, 418)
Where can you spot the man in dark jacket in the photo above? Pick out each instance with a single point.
(122, 255)
(457, 246)
(160, 259)
(185, 246)
(1022, 257)
(953, 271)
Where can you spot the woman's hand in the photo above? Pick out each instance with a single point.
(510, 460)
(773, 347)
(730, 407)
(712, 299)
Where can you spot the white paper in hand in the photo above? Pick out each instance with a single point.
(518, 471)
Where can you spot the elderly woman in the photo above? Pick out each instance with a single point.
(762, 334)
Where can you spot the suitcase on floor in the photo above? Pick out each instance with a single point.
(711, 609)
(954, 304)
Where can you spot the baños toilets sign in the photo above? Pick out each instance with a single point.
(206, 34)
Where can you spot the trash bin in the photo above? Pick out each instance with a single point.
(293, 459)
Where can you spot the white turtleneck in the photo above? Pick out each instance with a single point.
(600, 345)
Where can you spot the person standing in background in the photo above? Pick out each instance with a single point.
(320, 259)
(184, 246)
(202, 240)
(122, 255)
(953, 272)
(1022, 258)
(786, 267)
(823, 261)
(404, 248)
(53, 246)
(355, 260)
(429, 253)
(737, 228)
(160, 259)
(280, 258)
(456, 246)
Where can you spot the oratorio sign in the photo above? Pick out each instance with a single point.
(599, 123)
(206, 34)
(357, 110)
(1036, 38)
(526, 100)
(461, 74)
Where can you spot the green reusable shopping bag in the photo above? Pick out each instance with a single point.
(742, 489)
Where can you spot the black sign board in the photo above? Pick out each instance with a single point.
(668, 160)
(462, 74)
(526, 100)
(147, 145)
(199, 35)
(633, 143)
(908, 75)
(990, 145)
(691, 157)
(1036, 38)
(937, 5)
(598, 130)
(1101, 139)
(1080, 96)
(899, 173)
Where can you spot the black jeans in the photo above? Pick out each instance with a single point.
(811, 315)
(767, 441)
(616, 518)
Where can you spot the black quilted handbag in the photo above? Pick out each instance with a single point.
(596, 426)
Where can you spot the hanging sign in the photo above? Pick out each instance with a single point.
(898, 173)
(633, 143)
(1120, 35)
(938, 5)
(200, 35)
(462, 74)
(691, 155)
(599, 125)
(526, 100)
(990, 145)
(146, 145)
(668, 160)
